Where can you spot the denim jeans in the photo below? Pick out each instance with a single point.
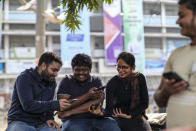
(23, 126)
(103, 124)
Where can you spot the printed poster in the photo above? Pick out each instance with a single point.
(112, 32)
(134, 31)
(74, 43)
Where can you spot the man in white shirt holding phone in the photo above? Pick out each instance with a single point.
(180, 102)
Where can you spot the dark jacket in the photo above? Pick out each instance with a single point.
(32, 99)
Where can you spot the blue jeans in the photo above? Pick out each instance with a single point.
(104, 124)
(23, 126)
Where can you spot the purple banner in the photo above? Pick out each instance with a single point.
(112, 32)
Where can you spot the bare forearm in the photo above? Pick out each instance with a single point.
(98, 95)
(80, 109)
(161, 97)
(80, 100)
(83, 108)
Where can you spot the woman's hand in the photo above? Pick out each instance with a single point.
(96, 109)
(53, 124)
(118, 113)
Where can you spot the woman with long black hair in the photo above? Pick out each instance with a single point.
(127, 96)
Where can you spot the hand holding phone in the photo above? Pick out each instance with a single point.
(94, 106)
(101, 88)
(174, 75)
(72, 100)
(96, 109)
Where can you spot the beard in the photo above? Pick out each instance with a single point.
(46, 76)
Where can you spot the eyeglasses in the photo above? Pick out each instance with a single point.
(118, 67)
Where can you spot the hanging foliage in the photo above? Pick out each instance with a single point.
(72, 8)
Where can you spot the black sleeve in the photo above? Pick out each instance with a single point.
(64, 86)
(97, 82)
(109, 98)
(49, 115)
(144, 99)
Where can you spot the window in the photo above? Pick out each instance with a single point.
(152, 30)
(173, 30)
(22, 41)
(22, 27)
(153, 43)
(96, 24)
(13, 4)
(152, 8)
(171, 10)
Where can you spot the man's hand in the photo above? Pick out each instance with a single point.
(171, 87)
(64, 104)
(118, 113)
(93, 93)
(96, 109)
(53, 124)
(166, 89)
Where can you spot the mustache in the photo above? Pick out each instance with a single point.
(52, 76)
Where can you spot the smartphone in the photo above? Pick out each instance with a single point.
(101, 88)
(73, 100)
(174, 75)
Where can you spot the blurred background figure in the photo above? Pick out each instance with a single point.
(179, 96)
(31, 5)
(52, 17)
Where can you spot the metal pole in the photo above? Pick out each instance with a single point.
(40, 38)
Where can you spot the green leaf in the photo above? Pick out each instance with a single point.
(73, 7)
